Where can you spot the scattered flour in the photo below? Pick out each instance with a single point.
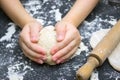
(94, 76)
(81, 48)
(40, 21)
(35, 8)
(15, 73)
(10, 45)
(96, 24)
(113, 74)
(58, 15)
(10, 31)
(112, 20)
(44, 1)
(32, 7)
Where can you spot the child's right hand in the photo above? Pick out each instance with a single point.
(28, 40)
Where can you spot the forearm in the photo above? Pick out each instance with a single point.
(80, 11)
(15, 10)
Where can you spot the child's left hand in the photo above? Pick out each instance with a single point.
(68, 38)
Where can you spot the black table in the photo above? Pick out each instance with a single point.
(15, 66)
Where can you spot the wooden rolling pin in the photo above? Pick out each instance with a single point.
(100, 52)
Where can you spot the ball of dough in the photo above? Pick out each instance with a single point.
(47, 39)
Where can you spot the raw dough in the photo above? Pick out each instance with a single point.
(97, 36)
(47, 39)
(114, 58)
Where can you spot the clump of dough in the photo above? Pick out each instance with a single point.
(47, 39)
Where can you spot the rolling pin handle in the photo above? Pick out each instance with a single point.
(85, 71)
(97, 57)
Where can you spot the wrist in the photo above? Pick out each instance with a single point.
(67, 21)
(72, 21)
(27, 21)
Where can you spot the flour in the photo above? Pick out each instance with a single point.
(94, 76)
(40, 21)
(32, 7)
(96, 24)
(10, 45)
(36, 8)
(14, 69)
(44, 1)
(113, 74)
(15, 73)
(57, 15)
(10, 31)
(81, 48)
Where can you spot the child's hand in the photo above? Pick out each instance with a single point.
(68, 38)
(28, 40)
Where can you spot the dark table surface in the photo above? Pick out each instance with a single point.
(15, 66)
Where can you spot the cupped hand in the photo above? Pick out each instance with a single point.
(28, 40)
(68, 38)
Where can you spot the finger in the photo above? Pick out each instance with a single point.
(34, 32)
(60, 30)
(40, 61)
(24, 36)
(31, 53)
(64, 51)
(66, 57)
(64, 43)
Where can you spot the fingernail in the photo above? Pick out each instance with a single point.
(58, 61)
(40, 61)
(62, 61)
(53, 51)
(60, 37)
(34, 38)
(44, 58)
(54, 58)
(42, 53)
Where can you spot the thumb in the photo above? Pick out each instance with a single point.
(60, 30)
